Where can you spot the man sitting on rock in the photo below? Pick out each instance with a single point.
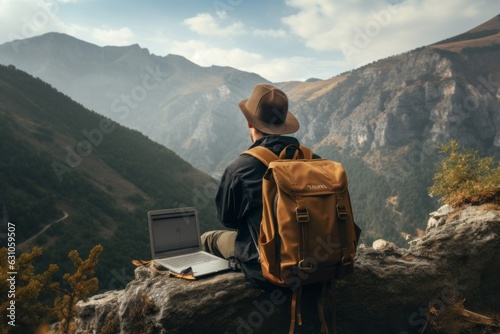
(239, 196)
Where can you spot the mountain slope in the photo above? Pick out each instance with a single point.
(484, 35)
(90, 179)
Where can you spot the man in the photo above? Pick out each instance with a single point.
(239, 197)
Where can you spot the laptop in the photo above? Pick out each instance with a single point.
(175, 243)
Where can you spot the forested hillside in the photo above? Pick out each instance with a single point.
(60, 159)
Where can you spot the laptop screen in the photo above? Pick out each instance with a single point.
(173, 232)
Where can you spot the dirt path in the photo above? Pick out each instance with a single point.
(33, 238)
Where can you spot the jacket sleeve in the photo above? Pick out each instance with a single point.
(229, 200)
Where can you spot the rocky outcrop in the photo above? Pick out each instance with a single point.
(393, 290)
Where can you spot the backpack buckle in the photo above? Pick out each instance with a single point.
(302, 215)
(342, 212)
(305, 265)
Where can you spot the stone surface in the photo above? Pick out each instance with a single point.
(438, 218)
(389, 292)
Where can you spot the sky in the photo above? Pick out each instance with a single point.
(281, 40)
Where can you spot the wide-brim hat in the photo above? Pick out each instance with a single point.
(267, 110)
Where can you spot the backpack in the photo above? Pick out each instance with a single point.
(307, 233)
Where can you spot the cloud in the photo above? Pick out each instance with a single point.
(314, 17)
(23, 19)
(118, 37)
(366, 31)
(205, 54)
(292, 68)
(273, 69)
(70, 1)
(206, 24)
(209, 25)
(269, 33)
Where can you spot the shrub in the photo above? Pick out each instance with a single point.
(463, 177)
(25, 292)
(81, 284)
(29, 292)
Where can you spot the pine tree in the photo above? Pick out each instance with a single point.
(82, 283)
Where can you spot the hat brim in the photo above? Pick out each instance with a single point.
(290, 125)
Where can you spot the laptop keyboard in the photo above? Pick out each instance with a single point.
(190, 259)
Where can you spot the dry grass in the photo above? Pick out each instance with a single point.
(491, 207)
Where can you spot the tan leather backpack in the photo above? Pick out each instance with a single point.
(307, 233)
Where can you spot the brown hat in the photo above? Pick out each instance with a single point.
(267, 110)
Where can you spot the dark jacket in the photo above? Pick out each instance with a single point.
(239, 202)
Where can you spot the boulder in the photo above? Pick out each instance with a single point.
(393, 290)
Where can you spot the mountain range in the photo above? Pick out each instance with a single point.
(71, 178)
(383, 121)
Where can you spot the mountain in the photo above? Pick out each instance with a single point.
(170, 99)
(71, 178)
(484, 35)
(383, 121)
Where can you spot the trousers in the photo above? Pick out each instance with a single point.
(219, 242)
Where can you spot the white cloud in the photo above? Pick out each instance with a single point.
(26, 19)
(269, 33)
(205, 54)
(275, 69)
(70, 1)
(22, 19)
(292, 68)
(366, 31)
(118, 37)
(314, 17)
(206, 24)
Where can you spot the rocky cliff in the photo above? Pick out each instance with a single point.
(453, 270)
(429, 95)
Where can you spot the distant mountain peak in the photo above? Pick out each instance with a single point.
(484, 35)
(492, 24)
(58, 38)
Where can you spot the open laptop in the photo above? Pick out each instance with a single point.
(175, 243)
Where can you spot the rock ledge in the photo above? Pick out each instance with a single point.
(390, 291)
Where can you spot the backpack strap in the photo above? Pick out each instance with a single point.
(301, 152)
(308, 153)
(334, 308)
(321, 308)
(347, 264)
(265, 155)
(262, 153)
(296, 314)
